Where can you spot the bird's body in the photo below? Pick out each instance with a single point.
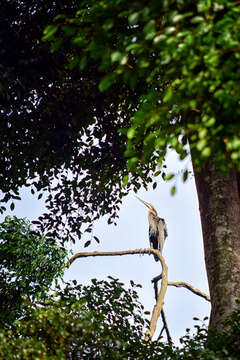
(157, 229)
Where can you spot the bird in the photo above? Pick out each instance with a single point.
(157, 228)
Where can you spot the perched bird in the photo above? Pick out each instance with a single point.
(157, 228)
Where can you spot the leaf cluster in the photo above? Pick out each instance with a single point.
(28, 265)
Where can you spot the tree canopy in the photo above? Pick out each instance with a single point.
(186, 54)
(120, 85)
(93, 95)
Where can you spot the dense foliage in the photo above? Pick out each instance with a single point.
(120, 84)
(58, 132)
(188, 56)
(104, 321)
(28, 265)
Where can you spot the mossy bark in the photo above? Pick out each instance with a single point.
(219, 204)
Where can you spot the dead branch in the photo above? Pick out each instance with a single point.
(159, 297)
(163, 316)
(170, 342)
(108, 253)
(189, 287)
(158, 308)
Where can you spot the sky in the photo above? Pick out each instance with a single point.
(183, 249)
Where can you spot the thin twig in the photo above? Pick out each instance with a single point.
(170, 342)
(156, 278)
(189, 287)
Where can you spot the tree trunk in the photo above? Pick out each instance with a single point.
(219, 203)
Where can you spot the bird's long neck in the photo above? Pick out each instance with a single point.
(152, 221)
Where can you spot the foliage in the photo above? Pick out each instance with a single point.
(58, 132)
(100, 321)
(189, 56)
(121, 83)
(105, 321)
(28, 265)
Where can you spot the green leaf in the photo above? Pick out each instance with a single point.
(201, 144)
(49, 31)
(173, 190)
(131, 133)
(87, 243)
(116, 56)
(96, 239)
(108, 24)
(185, 176)
(106, 82)
(12, 206)
(150, 30)
(125, 180)
(133, 18)
(206, 152)
(168, 177)
(59, 17)
(131, 164)
(83, 62)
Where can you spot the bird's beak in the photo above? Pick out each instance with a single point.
(145, 203)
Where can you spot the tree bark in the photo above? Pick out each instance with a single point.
(219, 203)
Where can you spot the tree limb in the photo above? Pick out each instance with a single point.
(189, 287)
(160, 298)
(163, 316)
(108, 253)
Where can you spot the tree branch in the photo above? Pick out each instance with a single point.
(160, 298)
(163, 316)
(189, 287)
(108, 253)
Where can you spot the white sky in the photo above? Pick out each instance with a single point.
(183, 250)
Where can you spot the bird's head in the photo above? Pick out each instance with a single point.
(149, 206)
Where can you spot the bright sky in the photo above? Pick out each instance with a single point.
(183, 250)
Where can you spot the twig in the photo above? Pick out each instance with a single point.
(189, 287)
(156, 278)
(165, 325)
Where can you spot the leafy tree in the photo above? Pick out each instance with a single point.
(122, 81)
(28, 266)
(104, 321)
(188, 57)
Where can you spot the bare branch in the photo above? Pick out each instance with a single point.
(189, 287)
(164, 320)
(108, 253)
(170, 342)
(156, 278)
(159, 297)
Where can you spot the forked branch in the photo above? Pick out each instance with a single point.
(158, 308)
(160, 298)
